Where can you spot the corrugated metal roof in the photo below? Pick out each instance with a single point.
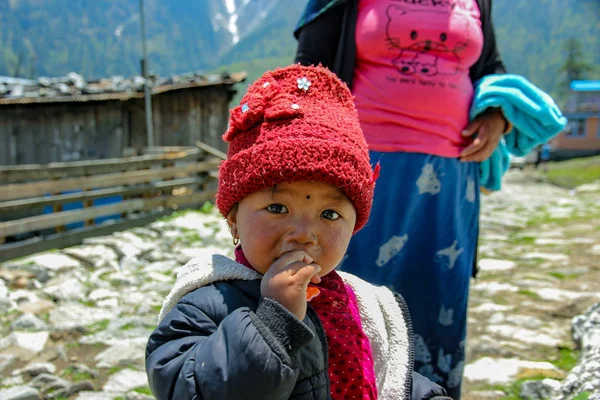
(101, 91)
(585, 86)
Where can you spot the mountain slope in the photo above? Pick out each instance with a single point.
(102, 37)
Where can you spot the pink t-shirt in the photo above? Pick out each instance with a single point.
(411, 80)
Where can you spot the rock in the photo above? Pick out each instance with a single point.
(539, 390)
(572, 271)
(125, 380)
(558, 258)
(589, 187)
(528, 336)
(76, 316)
(487, 394)
(97, 256)
(81, 369)
(75, 388)
(6, 360)
(19, 393)
(502, 371)
(552, 242)
(559, 295)
(36, 369)
(33, 342)
(138, 396)
(125, 352)
(66, 289)
(491, 265)
(29, 322)
(54, 262)
(585, 377)
(101, 294)
(163, 267)
(95, 396)
(491, 288)
(6, 305)
(49, 382)
(37, 307)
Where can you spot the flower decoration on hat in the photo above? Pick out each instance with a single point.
(303, 83)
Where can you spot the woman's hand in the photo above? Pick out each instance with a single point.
(287, 279)
(489, 128)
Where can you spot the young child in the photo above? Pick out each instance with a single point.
(279, 322)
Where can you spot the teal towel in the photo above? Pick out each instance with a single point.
(533, 113)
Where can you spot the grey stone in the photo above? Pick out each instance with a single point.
(30, 341)
(6, 360)
(492, 265)
(138, 396)
(125, 380)
(585, 376)
(47, 382)
(66, 289)
(97, 256)
(95, 396)
(83, 386)
(488, 394)
(125, 352)
(36, 369)
(539, 390)
(77, 316)
(29, 322)
(19, 393)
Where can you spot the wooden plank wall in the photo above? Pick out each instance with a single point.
(151, 186)
(60, 132)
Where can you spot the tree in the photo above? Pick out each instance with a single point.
(574, 67)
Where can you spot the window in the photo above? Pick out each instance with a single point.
(576, 128)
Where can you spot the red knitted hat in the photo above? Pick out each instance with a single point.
(296, 124)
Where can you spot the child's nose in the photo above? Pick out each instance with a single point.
(302, 231)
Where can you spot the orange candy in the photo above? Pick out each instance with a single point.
(311, 293)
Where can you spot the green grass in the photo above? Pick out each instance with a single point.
(98, 326)
(529, 293)
(114, 370)
(75, 376)
(567, 359)
(582, 396)
(143, 390)
(207, 207)
(128, 326)
(572, 173)
(157, 307)
(88, 303)
(562, 276)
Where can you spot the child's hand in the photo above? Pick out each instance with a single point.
(287, 279)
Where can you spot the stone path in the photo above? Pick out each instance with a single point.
(539, 268)
(74, 323)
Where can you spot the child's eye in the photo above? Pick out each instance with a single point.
(330, 215)
(277, 209)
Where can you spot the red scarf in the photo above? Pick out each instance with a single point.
(351, 373)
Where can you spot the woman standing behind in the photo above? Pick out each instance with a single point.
(411, 66)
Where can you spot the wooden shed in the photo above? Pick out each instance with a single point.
(86, 126)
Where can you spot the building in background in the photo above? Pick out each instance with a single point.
(581, 137)
(68, 119)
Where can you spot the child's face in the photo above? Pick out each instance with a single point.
(314, 217)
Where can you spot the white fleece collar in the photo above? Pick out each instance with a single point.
(202, 271)
(382, 319)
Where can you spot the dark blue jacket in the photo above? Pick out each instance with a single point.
(224, 341)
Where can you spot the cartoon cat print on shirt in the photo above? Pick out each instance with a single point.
(422, 51)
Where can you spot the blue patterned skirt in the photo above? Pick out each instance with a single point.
(421, 241)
